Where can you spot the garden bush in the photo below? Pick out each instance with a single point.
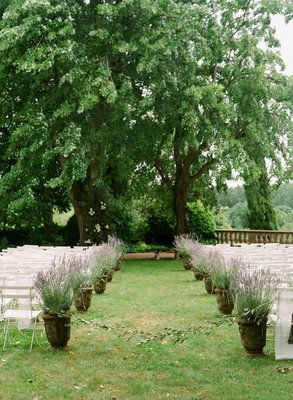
(160, 228)
(201, 222)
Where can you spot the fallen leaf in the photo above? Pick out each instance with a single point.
(283, 370)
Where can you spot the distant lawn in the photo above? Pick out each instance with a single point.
(109, 364)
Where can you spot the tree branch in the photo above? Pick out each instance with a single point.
(203, 169)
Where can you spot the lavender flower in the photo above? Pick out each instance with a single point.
(255, 294)
(186, 245)
(55, 287)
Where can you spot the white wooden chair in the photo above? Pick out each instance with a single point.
(283, 349)
(20, 309)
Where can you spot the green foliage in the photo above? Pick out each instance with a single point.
(238, 216)
(145, 248)
(284, 217)
(235, 215)
(283, 195)
(258, 193)
(201, 222)
(126, 221)
(221, 217)
(231, 196)
(160, 227)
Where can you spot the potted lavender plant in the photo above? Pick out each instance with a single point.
(206, 261)
(183, 244)
(83, 288)
(103, 268)
(222, 274)
(55, 290)
(119, 247)
(255, 294)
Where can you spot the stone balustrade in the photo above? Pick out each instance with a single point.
(253, 236)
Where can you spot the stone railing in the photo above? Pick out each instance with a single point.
(251, 236)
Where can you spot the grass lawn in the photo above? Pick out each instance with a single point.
(113, 355)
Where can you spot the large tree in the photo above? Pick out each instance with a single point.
(95, 90)
(211, 95)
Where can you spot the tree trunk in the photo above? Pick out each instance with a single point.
(180, 207)
(91, 210)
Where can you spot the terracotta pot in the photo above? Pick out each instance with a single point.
(82, 299)
(224, 301)
(110, 276)
(187, 263)
(208, 283)
(100, 286)
(57, 330)
(118, 265)
(253, 336)
(198, 275)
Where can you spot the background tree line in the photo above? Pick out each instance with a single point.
(232, 210)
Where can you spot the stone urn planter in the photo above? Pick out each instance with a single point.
(118, 265)
(82, 299)
(253, 336)
(224, 301)
(110, 275)
(57, 329)
(208, 283)
(197, 274)
(187, 262)
(100, 285)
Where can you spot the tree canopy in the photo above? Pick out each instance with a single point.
(95, 93)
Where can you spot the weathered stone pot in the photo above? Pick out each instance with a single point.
(198, 275)
(100, 285)
(208, 283)
(224, 301)
(82, 299)
(57, 329)
(187, 262)
(118, 265)
(110, 275)
(253, 336)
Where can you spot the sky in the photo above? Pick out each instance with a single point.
(284, 34)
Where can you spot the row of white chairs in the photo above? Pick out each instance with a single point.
(18, 266)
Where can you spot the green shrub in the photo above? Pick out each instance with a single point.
(238, 216)
(160, 228)
(201, 222)
(145, 248)
(126, 221)
(71, 232)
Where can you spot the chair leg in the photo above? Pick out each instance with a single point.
(33, 334)
(6, 329)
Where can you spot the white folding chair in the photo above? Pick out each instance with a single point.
(4, 301)
(283, 349)
(20, 309)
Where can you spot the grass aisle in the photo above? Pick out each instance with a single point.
(126, 363)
